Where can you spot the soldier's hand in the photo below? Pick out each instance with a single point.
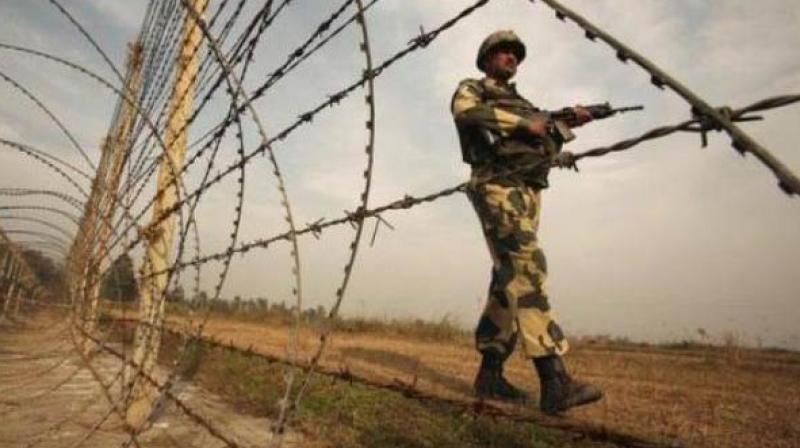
(537, 127)
(582, 115)
(565, 159)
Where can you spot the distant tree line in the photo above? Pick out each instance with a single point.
(119, 282)
(49, 273)
(119, 285)
(255, 306)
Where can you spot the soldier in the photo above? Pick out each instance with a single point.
(510, 146)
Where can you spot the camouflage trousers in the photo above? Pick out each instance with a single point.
(517, 304)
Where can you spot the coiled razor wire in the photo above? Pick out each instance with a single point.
(369, 98)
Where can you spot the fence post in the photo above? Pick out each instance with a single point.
(118, 146)
(160, 233)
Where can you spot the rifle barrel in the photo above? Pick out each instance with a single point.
(629, 108)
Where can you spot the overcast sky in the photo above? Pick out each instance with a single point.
(652, 243)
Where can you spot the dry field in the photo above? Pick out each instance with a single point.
(691, 396)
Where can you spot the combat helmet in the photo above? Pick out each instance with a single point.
(502, 37)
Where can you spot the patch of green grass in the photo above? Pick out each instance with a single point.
(105, 318)
(191, 359)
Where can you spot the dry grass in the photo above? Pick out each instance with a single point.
(694, 394)
(704, 396)
(340, 413)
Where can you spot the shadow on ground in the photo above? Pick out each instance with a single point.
(408, 365)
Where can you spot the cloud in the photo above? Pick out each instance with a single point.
(124, 15)
(8, 132)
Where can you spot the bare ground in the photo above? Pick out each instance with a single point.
(49, 399)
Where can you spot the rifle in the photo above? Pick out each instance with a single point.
(562, 120)
(558, 126)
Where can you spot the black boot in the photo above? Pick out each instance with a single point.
(559, 391)
(490, 383)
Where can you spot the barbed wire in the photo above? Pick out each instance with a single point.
(120, 93)
(369, 74)
(71, 200)
(201, 421)
(714, 118)
(409, 201)
(219, 131)
(409, 390)
(47, 224)
(52, 117)
(48, 160)
(71, 217)
(334, 99)
(289, 404)
(449, 24)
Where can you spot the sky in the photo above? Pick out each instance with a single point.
(651, 244)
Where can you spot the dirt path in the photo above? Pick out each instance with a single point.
(710, 397)
(49, 399)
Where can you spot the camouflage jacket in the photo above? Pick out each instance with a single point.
(491, 119)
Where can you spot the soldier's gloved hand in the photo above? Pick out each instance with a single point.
(537, 127)
(582, 115)
(565, 159)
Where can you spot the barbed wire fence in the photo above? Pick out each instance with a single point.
(184, 70)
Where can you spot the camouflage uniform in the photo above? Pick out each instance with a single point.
(490, 118)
